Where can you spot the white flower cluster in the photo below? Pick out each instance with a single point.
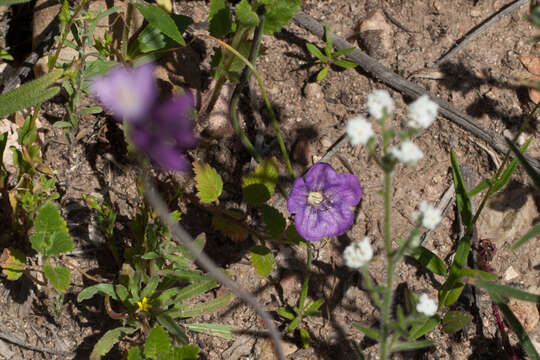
(358, 253)
(406, 152)
(379, 103)
(359, 130)
(422, 112)
(430, 215)
(426, 306)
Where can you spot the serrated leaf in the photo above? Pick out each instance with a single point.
(58, 276)
(10, 261)
(50, 236)
(234, 231)
(245, 14)
(262, 259)
(266, 173)
(161, 20)
(454, 321)
(209, 183)
(278, 13)
(420, 330)
(188, 352)
(322, 74)
(274, 221)
(107, 341)
(31, 93)
(158, 343)
(220, 330)
(220, 19)
(89, 292)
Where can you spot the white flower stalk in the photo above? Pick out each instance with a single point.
(426, 306)
(430, 215)
(380, 103)
(407, 152)
(358, 253)
(422, 112)
(359, 131)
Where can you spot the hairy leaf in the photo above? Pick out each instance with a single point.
(10, 262)
(262, 259)
(209, 183)
(50, 237)
(58, 276)
(158, 343)
(220, 330)
(245, 14)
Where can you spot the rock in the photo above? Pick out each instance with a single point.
(313, 91)
(526, 312)
(325, 141)
(510, 274)
(376, 35)
(11, 129)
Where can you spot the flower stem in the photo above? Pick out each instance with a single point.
(387, 298)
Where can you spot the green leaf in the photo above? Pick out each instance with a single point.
(106, 343)
(535, 231)
(293, 236)
(150, 287)
(322, 74)
(370, 333)
(342, 52)
(514, 323)
(31, 93)
(278, 13)
(329, 43)
(58, 276)
(294, 324)
(150, 39)
(158, 343)
(209, 183)
(220, 330)
(186, 311)
(422, 329)
(195, 289)
(245, 14)
(304, 337)
(285, 313)
(266, 173)
(262, 259)
(484, 184)
(314, 50)
(274, 221)
(528, 168)
(220, 19)
(184, 275)
(508, 291)
(462, 199)
(135, 353)
(411, 345)
(188, 352)
(453, 294)
(230, 228)
(50, 236)
(255, 194)
(10, 261)
(5, 55)
(509, 171)
(467, 272)
(313, 308)
(426, 258)
(161, 20)
(346, 64)
(454, 321)
(104, 289)
(172, 327)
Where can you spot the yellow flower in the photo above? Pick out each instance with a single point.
(165, 5)
(143, 305)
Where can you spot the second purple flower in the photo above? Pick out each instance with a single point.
(321, 202)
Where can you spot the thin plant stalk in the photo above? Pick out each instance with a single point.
(305, 284)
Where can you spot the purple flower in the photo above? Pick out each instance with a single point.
(127, 93)
(321, 202)
(167, 133)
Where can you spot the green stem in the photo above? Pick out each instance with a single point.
(303, 294)
(387, 299)
(125, 30)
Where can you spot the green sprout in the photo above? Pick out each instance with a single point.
(329, 57)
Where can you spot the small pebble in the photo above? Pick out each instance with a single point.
(510, 274)
(313, 91)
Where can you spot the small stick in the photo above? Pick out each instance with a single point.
(15, 340)
(475, 32)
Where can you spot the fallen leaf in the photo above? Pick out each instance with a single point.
(532, 63)
(534, 94)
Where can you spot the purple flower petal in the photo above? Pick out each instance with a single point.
(173, 120)
(297, 201)
(127, 93)
(346, 190)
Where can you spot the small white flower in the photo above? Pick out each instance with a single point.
(426, 306)
(407, 152)
(378, 103)
(359, 130)
(358, 253)
(430, 215)
(422, 112)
